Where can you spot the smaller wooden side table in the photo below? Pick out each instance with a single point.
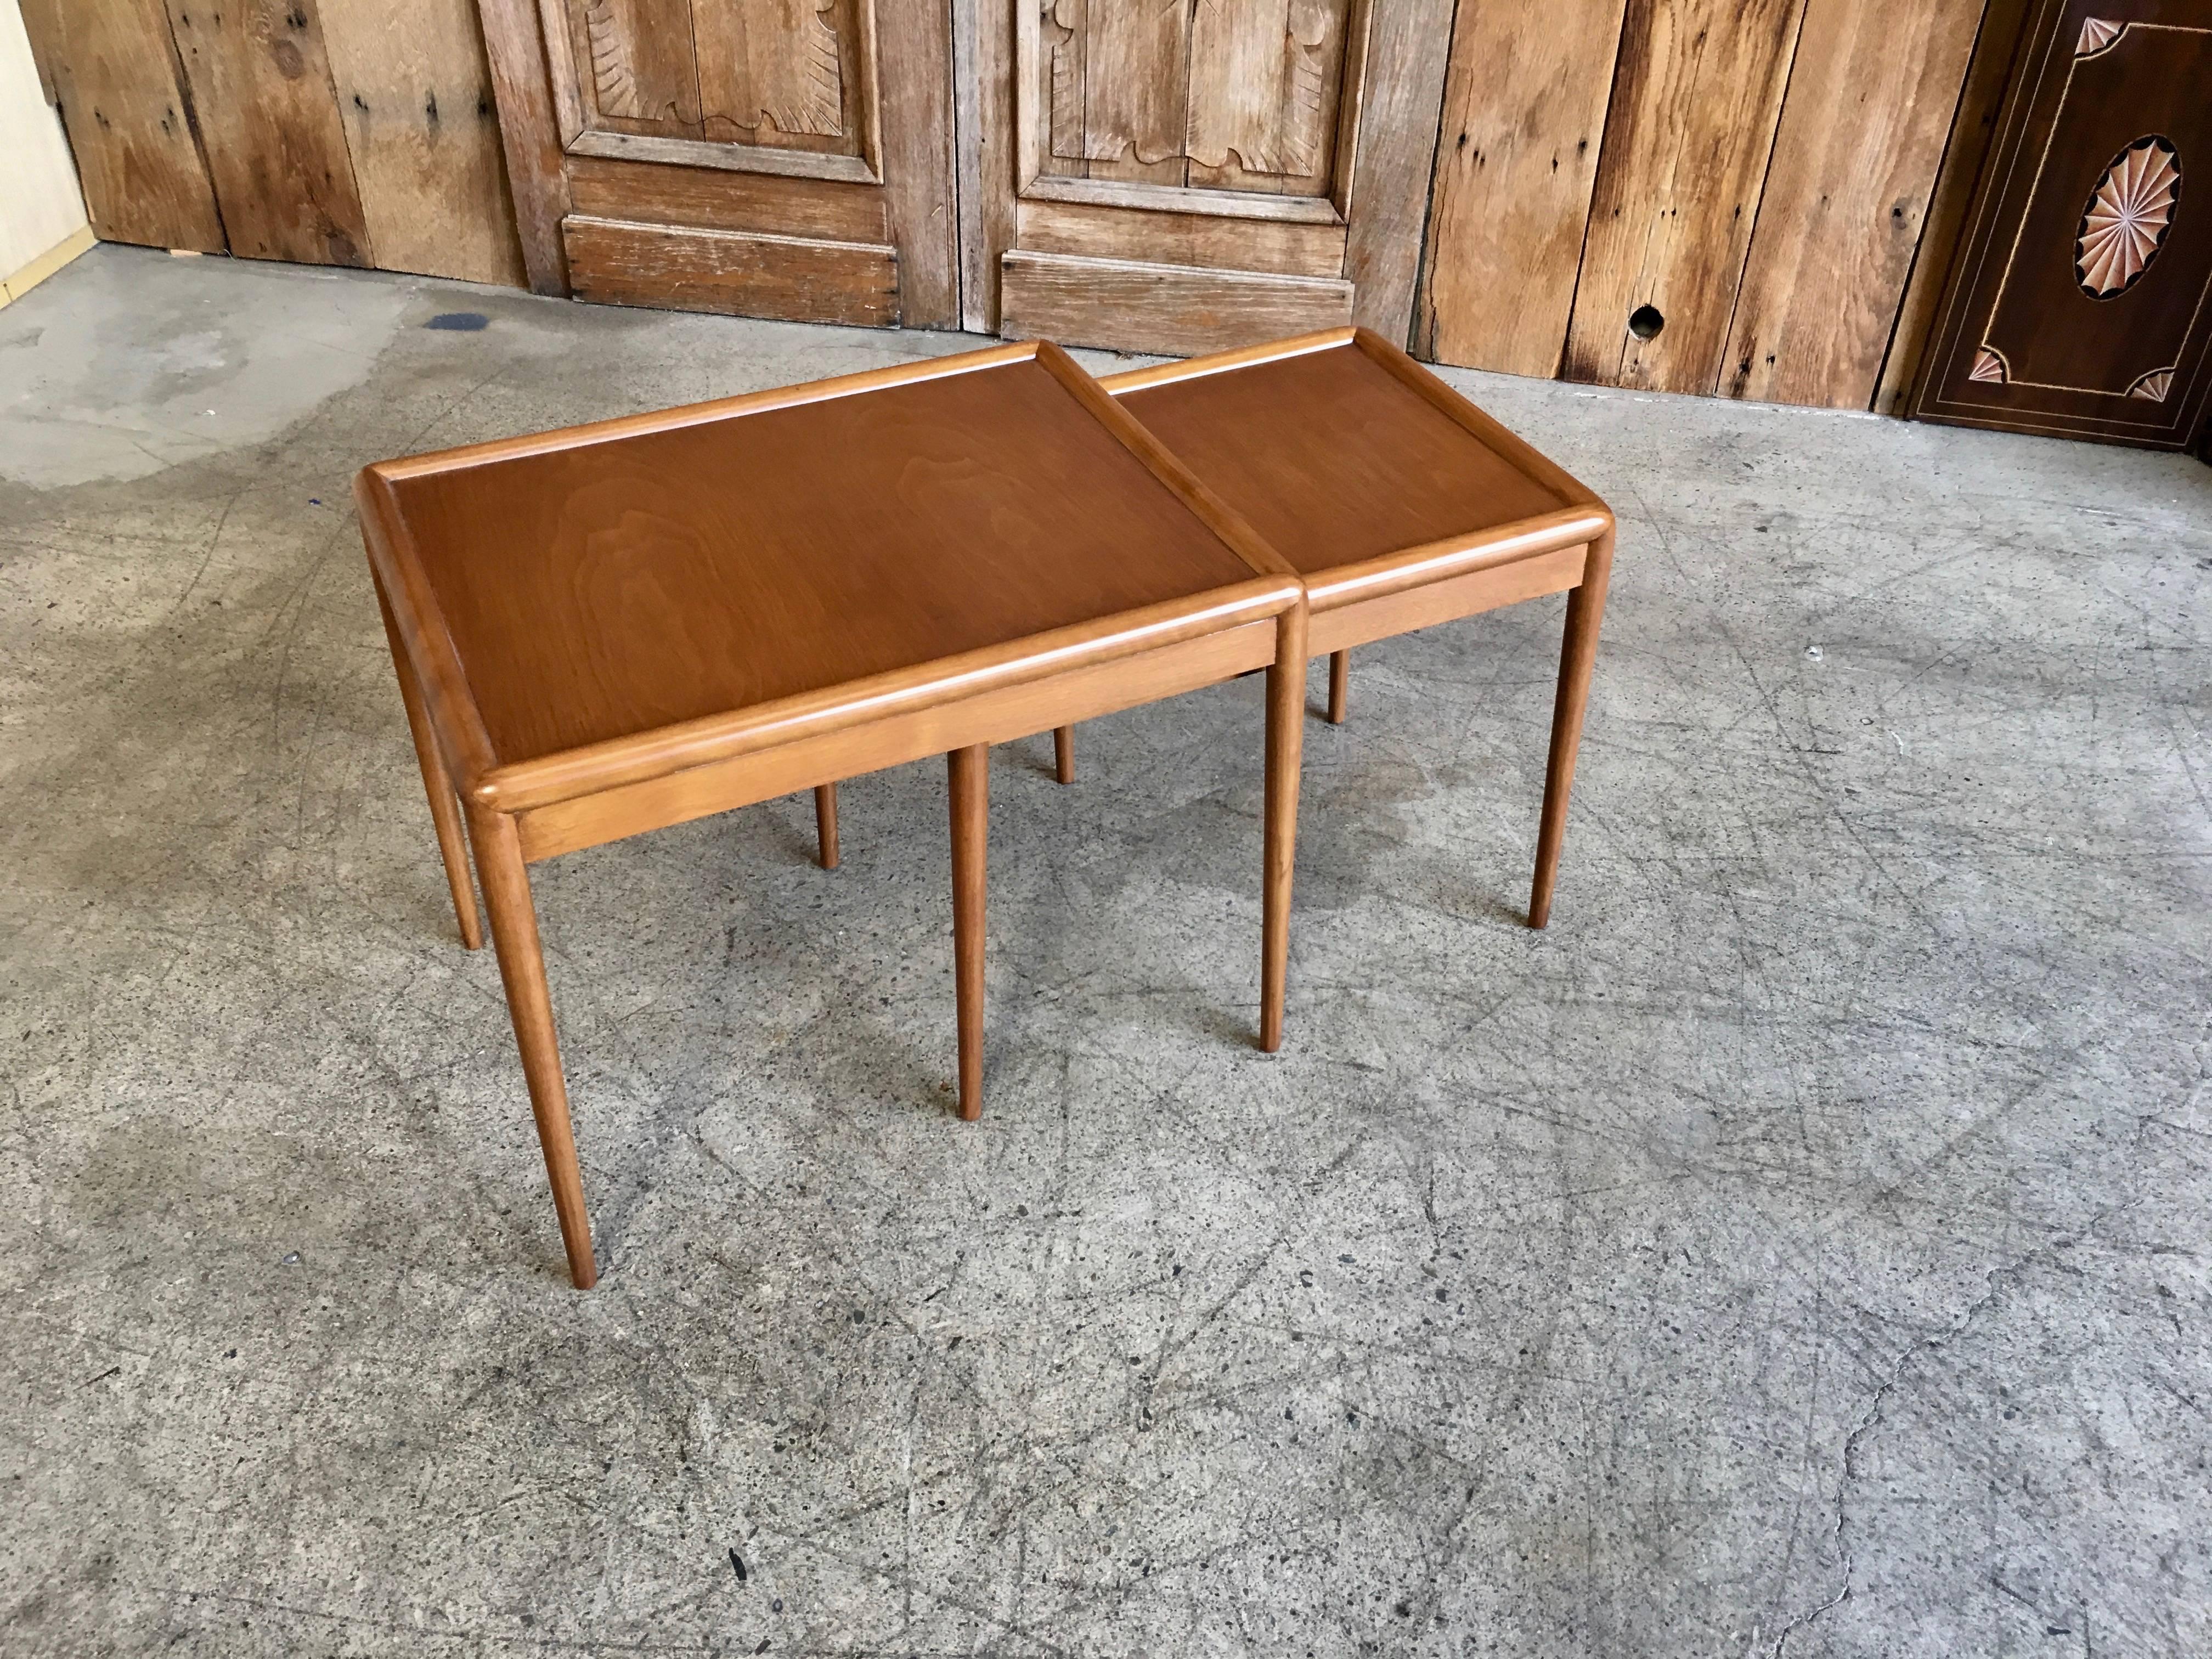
(609, 630)
(1401, 503)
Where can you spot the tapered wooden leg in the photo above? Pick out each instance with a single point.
(1286, 726)
(971, 810)
(1340, 684)
(1577, 656)
(1063, 752)
(444, 806)
(825, 823)
(522, 969)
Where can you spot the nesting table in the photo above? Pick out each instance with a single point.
(1398, 501)
(620, 627)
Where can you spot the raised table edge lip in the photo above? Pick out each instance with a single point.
(1584, 518)
(511, 786)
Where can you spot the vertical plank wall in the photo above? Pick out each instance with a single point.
(357, 132)
(1778, 181)
(1762, 183)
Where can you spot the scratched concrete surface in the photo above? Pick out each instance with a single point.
(1800, 1248)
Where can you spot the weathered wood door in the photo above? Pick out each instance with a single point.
(2082, 302)
(1179, 175)
(773, 158)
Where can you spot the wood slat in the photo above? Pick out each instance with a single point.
(1524, 109)
(1126, 305)
(260, 81)
(111, 67)
(1182, 239)
(515, 49)
(414, 93)
(616, 262)
(989, 148)
(765, 202)
(1400, 90)
(1696, 97)
(1973, 127)
(915, 37)
(1870, 101)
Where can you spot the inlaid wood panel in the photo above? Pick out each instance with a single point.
(1227, 94)
(2083, 302)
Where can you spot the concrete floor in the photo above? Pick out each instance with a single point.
(1801, 1248)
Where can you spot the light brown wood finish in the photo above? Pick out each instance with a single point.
(1973, 127)
(825, 824)
(437, 784)
(1524, 109)
(1124, 304)
(1577, 657)
(111, 67)
(422, 136)
(515, 52)
(798, 279)
(622, 627)
(530, 1006)
(1287, 728)
(970, 779)
(1287, 247)
(1063, 753)
(1870, 101)
(1340, 685)
(260, 82)
(1687, 135)
(915, 70)
(766, 203)
(1401, 503)
(1399, 96)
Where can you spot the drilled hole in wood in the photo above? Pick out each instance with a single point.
(1645, 322)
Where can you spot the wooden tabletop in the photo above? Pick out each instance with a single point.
(793, 555)
(1343, 453)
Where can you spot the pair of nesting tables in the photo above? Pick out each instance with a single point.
(623, 626)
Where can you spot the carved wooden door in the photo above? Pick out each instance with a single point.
(1180, 175)
(2082, 302)
(773, 158)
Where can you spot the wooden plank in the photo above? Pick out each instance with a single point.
(916, 48)
(983, 79)
(1696, 96)
(111, 67)
(1176, 198)
(1870, 99)
(617, 262)
(1132, 67)
(515, 49)
(1400, 91)
(260, 80)
(1265, 84)
(1973, 128)
(415, 93)
(1177, 310)
(665, 151)
(726, 201)
(1182, 239)
(1523, 113)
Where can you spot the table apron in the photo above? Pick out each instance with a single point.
(1364, 621)
(995, 716)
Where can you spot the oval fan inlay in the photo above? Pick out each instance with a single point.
(2128, 216)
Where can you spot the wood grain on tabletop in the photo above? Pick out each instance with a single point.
(608, 588)
(1398, 473)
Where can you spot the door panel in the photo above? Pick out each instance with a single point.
(2082, 302)
(1186, 177)
(774, 158)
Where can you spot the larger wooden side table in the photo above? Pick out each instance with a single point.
(615, 627)
(1401, 503)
